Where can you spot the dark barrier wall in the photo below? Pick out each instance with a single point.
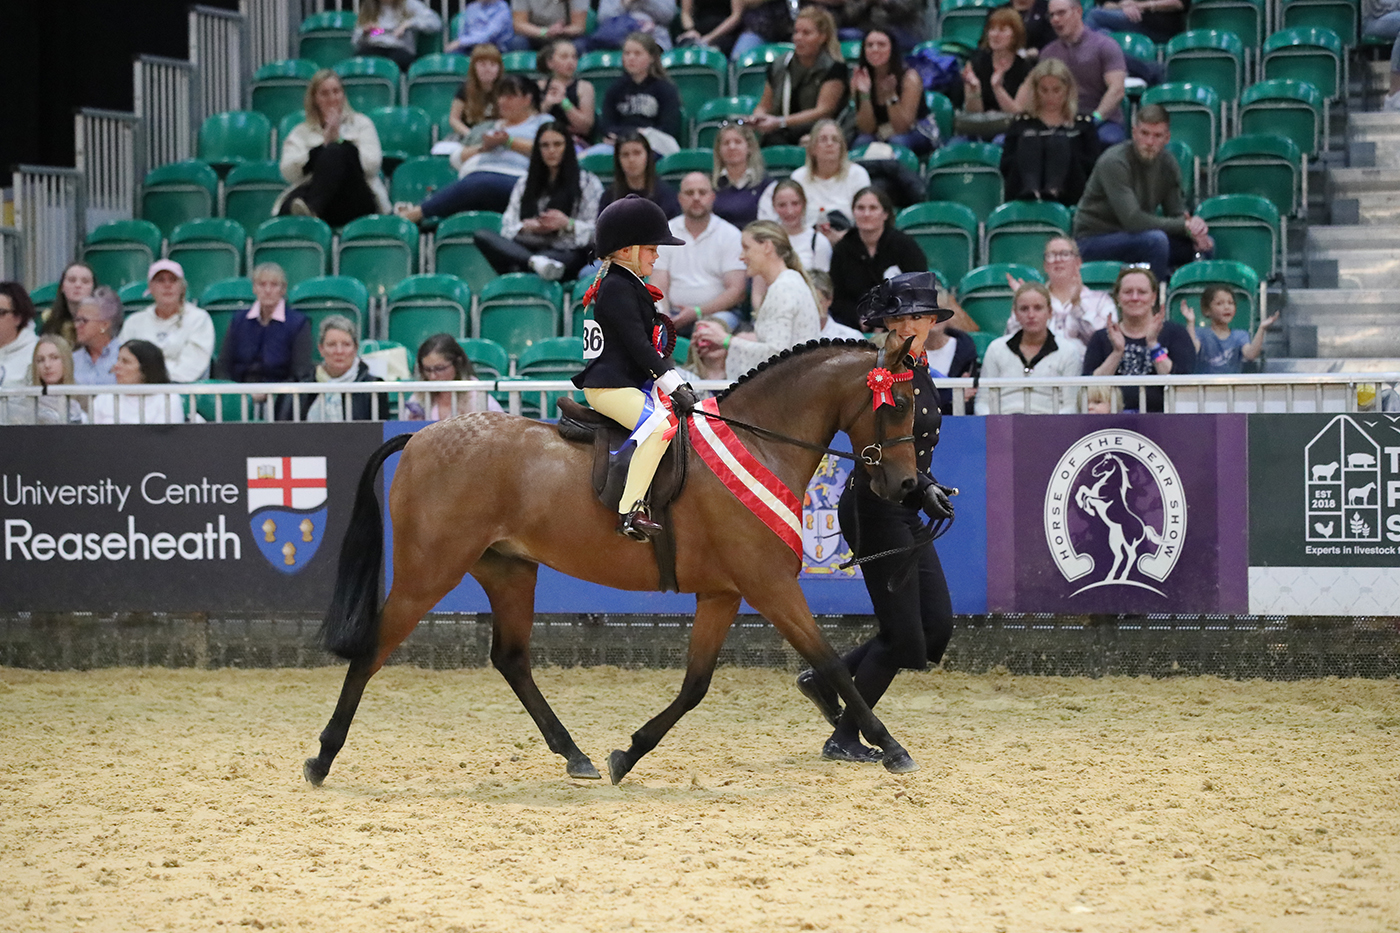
(188, 518)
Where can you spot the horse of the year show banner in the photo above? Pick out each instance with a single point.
(1290, 514)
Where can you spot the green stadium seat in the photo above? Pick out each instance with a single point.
(321, 297)
(1207, 57)
(208, 250)
(1137, 45)
(518, 310)
(576, 310)
(289, 123)
(1017, 231)
(552, 358)
(521, 63)
(1245, 18)
(715, 112)
(489, 358)
(380, 250)
(985, 294)
(1310, 54)
(1262, 164)
(1197, 117)
(602, 68)
(250, 191)
(751, 70)
(946, 232)
(967, 173)
(1342, 17)
(134, 297)
(781, 161)
(300, 245)
(43, 297)
(1100, 274)
(121, 252)
(423, 305)
(177, 192)
(1294, 109)
(962, 21)
(700, 73)
(982, 339)
(1247, 229)
(1189, 166)
(370, 82)
(1190, 280)
(600, 164)
(279, 88)
(236, 136)
(850, 50)
(941, 109)
(221, 409)
(905, 157)
(433, 81)
(417, 178)
(223, 300)
(324, 38)
(455, 251)
(673, 168)
(404, 133)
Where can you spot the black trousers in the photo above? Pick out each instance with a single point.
(1043, 161)
(337, 191)
(507, 255)
(915, 621)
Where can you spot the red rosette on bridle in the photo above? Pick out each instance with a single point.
(881, 382)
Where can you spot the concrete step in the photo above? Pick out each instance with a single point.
(1366, 256)
(1364, 195)
(1380, 128)
(1343, 323)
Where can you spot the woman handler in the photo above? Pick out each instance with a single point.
(915, 619)
(628, 379)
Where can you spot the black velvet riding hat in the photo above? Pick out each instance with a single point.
(632, 221)
(905, 294)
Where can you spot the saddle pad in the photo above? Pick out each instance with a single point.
(750, 481)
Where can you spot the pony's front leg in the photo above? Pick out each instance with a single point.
(510, 586)
(786, 608)
(714, 613)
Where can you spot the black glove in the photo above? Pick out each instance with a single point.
(937, 505)
(683, 400)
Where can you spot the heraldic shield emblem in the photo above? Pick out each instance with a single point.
(287, 508)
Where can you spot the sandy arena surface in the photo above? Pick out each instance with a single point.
(173, 800)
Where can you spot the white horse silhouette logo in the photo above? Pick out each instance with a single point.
(1126, 530)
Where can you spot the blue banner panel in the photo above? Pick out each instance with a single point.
(177, 518)
(959, 461)
(1117, 513)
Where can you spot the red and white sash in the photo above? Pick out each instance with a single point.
(750, 481)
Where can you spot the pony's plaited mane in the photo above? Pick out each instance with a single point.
(791, 353)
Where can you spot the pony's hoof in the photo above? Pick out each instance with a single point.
(858, 753)
(314, 773)
(618, 765)
(584, 770)
(899, 762)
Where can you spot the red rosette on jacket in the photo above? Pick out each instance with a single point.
(663, 334)
(881, 382)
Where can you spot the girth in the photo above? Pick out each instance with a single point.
(583, 425)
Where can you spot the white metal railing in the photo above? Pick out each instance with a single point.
(272, 31)
(107, 152)
(1305, 393)
(219, 55)
(164, 101)
(49, 214)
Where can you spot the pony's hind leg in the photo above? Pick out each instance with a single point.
(400, 616)
(510, 586)
(714, 614)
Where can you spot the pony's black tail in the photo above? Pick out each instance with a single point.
(351, 626)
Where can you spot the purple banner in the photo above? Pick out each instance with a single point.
(1117, 514)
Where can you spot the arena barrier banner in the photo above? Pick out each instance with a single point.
(1116, 514)
(959, 461)
(177, 518)
(1324, 514)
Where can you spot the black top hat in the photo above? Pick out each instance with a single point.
(909, 293)
(632, 221)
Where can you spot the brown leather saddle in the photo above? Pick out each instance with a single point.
(583, 425)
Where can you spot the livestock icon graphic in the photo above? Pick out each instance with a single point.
(1343, 483)
(287, 509)
(1115, 512)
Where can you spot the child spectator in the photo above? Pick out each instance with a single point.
(475, 101)
(1218, 348)
(567, 99)
(442, 359)
(644, 99)
(484, 22)
(389, 29)
(75, 284)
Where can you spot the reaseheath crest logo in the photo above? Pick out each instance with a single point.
(287, 508)
(1115, 512)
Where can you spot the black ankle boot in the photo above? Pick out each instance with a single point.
(638, 526)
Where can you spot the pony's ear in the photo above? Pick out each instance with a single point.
(904, 356)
